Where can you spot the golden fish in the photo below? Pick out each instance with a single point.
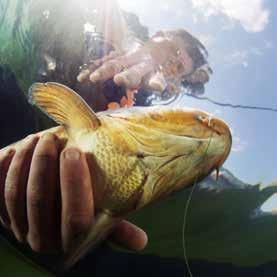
(138, 155)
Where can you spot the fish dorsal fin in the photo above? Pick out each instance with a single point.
(63, 105)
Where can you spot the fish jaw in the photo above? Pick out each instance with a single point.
(176, 147)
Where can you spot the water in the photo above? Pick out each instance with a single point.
(55, 40)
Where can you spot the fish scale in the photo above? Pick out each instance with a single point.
(120, 185)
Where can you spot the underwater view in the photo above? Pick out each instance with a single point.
(138, 138)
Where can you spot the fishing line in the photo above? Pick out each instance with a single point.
(186, 208)
(184, 227)
(234, 106)
(178, 97)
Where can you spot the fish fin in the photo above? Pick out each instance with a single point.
(101, 228)
(63, 105)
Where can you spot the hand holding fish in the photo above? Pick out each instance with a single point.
(47, 211)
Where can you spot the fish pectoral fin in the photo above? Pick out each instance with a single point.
(63, 105)
(101, 228)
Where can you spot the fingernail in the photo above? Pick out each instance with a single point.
(72, 154)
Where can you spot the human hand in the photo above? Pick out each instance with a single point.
(163, 62)
(46, 198)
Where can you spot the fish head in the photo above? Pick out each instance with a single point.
(177, 147)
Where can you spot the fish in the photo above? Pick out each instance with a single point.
(137, 155)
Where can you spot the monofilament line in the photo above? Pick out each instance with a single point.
(186, 208)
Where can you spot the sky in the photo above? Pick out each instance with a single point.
(241, 38)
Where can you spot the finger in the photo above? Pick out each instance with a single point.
(77, 197)
(157, 82)
(130, 236)
(107, 71)
(114, 66)
(42, 196)
(5, 161)
(87, 70)
(132, 77)
(15, 187)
